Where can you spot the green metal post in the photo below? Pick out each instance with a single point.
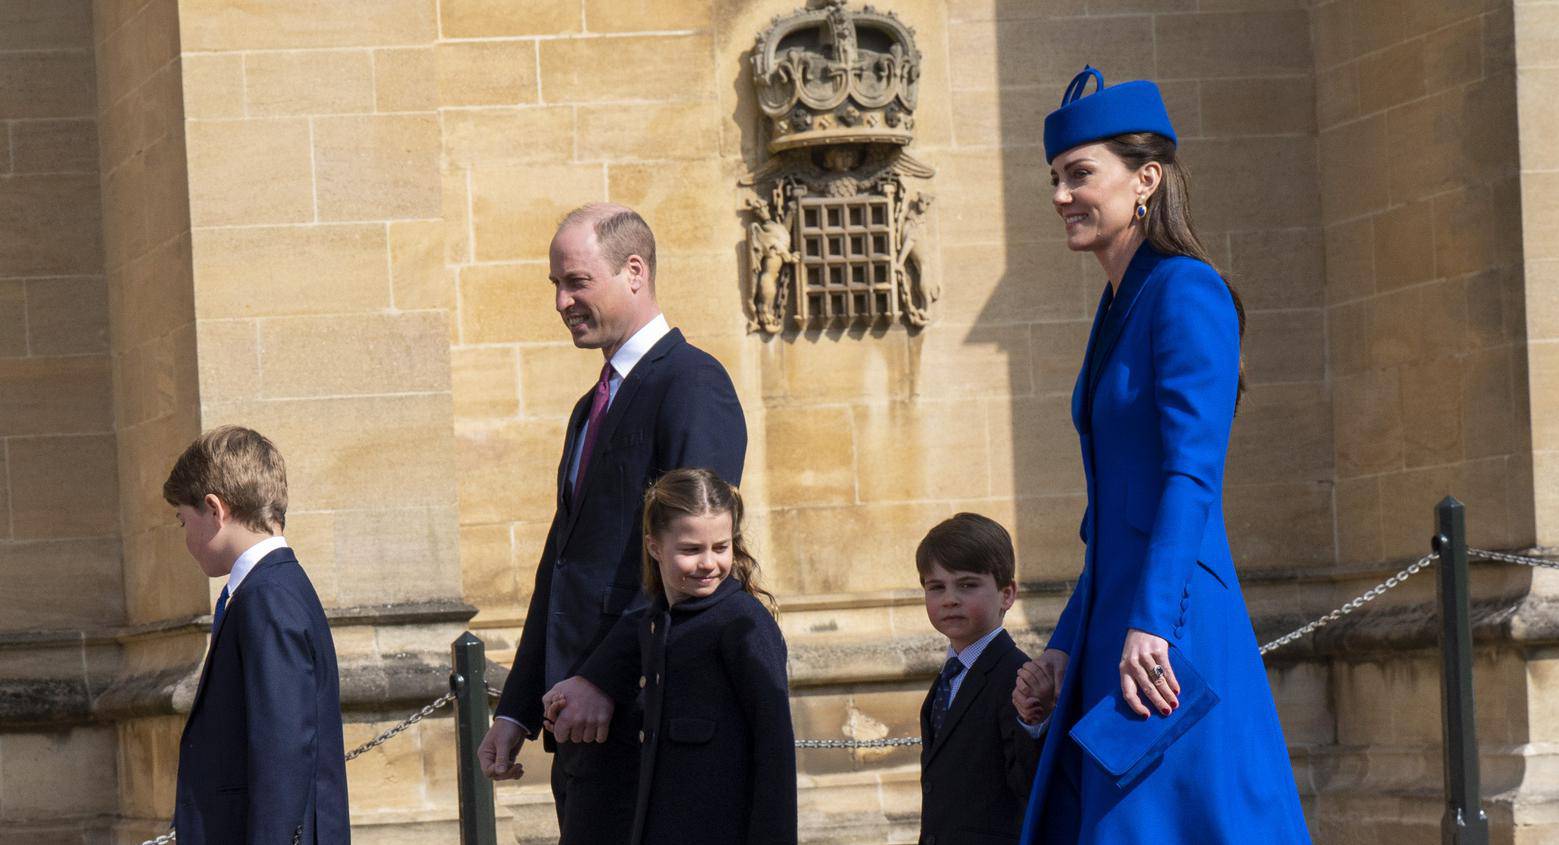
(1464, 822)
(478, 825)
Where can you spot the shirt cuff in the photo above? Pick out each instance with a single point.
(1034, 731)
(529, 734)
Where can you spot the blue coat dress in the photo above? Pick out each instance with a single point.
(1153, 408)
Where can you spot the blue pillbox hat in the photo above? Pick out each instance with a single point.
(1116, 110)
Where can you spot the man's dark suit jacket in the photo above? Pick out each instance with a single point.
(676, 409)
(976, 773)
(261, 759)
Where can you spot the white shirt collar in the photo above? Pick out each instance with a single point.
(969, 655)
(250, 557)
(634, 350)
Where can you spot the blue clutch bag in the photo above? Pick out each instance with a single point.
(1127, 745)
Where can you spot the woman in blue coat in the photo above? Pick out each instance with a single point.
(1163, 729)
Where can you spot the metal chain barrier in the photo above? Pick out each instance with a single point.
(1395, 581)
(1355, 603)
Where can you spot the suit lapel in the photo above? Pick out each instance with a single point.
(570, 442)
(1132, 284)
(973, 684)
(614, 417)
(280, 555)
(1080, 393)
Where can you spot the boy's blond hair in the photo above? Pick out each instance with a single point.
(241, 467)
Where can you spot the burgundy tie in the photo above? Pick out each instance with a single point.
(598, 402)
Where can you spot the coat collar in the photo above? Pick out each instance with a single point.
(1138, 272)
(729, 587)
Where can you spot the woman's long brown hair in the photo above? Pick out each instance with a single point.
(699, 492)
(1168, 224)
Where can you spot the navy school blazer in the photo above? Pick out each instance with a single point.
(976, 773)
(676, 409)
(261, 758)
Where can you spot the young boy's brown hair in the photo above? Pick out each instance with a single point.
(968, 542)
(241, 467)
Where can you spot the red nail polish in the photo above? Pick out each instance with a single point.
(1166, 711)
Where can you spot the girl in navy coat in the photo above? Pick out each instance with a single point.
(1165, 730)
(717, 760)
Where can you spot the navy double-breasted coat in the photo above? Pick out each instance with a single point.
(717, 760)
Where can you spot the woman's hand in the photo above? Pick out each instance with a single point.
(1146, 674)
(1038, 685)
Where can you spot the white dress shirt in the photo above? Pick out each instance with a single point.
(624, 360)
(249, 558)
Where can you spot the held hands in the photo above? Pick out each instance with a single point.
(1039, 682)
(498, 750)
(1146, 674)
(577, 711)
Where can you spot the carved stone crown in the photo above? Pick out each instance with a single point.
(836, 76)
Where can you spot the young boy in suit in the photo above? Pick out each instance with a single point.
(977, 758)
(261, 758)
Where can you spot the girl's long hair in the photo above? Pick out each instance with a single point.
(1168, 224)
(699, 492)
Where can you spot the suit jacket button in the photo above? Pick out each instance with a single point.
(642, 681)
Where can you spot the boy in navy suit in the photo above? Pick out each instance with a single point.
(261, 758)
(978, 756)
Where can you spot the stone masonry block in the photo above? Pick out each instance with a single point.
(637, 15)
(378, 167)
(502, 303)
(50, 225)
(491, 490)
(810, 456)
(64, 773)
(213, 86)
(686, 203)
(586, 69)
(43, 584)
(250, 172)
(48, 477)
(280, 270)
(219, 26)
(498, 18)
(553, 378)
(486, 382)
(308, 82)
(54, 146)
(368, 353)
(46, 84)
(354, 452)
(514, 221)
(492, 73)
(956, 465)
(67, 316)
(68, 395)
(489, 136)
(405, 79)
(638, 131)
(418, 275)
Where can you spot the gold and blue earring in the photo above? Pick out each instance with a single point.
(1142, 208)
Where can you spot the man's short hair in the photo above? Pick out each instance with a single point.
(968, 542)
(619, 230)
(241, 467)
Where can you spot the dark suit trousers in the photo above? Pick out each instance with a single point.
(594, 785)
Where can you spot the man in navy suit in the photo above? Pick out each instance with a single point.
(260, 760)
(660, 404)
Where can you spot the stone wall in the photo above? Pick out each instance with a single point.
(59, 515)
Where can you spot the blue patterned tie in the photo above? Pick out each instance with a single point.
(216, 617)
(944, 693)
